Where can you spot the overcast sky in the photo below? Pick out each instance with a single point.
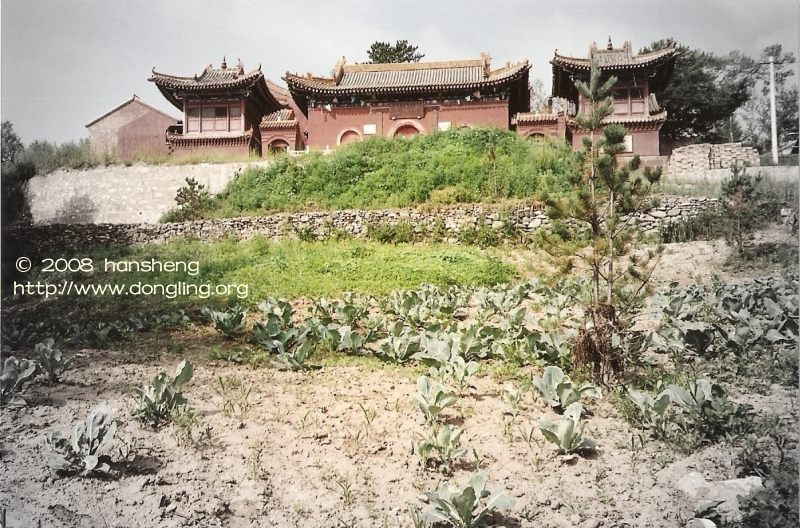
(66, 62)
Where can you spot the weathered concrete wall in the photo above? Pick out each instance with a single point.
(118, 194)
(447, 222)
(712, 177)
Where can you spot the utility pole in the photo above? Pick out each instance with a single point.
(772, 114)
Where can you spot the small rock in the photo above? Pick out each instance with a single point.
(700, 523)
(589, 523)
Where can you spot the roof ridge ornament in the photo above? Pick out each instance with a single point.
(487, 63)
(224, 64)
(338, 70)
(609, 46)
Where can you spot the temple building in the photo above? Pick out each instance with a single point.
(639, 77)
(225, 110)
(363, 100)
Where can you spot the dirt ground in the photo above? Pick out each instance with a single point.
(303, 455)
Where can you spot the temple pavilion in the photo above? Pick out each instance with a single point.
(639, 77)
(228, 110)
(363, 100)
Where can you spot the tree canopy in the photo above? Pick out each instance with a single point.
(12, 145)
(400, 51)
(704, 93)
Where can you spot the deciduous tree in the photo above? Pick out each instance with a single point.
(704, 93)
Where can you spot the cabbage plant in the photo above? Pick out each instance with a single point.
(470, 506)
(16, 372)
(653, 410)
(83, 450)
(568, 432)
(227, 322)
(558, 391)
(433, 398)
(155, 402)
(442, 444)
(52, 360)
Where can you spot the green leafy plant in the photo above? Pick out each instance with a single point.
(433, 398)
(652, 410)
(296, 358)
(16, 372)
(52, 360)
(558, 391)
(470, 506)
(706, 413)
(193, 199)
(399, 346)
(442, 444)
(155, 402)
(568, 432)
(227, 322)
(83, 450)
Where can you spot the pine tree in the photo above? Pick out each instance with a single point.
(603, 202)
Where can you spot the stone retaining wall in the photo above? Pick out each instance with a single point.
(521, 217)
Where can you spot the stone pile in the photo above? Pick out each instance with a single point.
(704, 156)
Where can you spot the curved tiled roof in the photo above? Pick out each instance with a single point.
(536, 117)
(631, 122)
(213, 80)
(615, 58)
(283, 118)
(407, 77)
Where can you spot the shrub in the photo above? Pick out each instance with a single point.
(455, 194)
(193, 199)
(482, 235)
(399, 233)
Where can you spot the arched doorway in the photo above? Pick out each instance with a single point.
(278, 146)
(535, 136)
(406, 131)
(349, 136)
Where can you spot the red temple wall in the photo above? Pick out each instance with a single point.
(288, 135)
(645, 142)
(328, 128)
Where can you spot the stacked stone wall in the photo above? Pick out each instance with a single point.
(518, 217)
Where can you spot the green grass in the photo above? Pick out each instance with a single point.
(288, 269)
(463, 165)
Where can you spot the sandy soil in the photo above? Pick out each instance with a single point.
(304, 456)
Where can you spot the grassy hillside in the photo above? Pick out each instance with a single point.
(462, 165)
